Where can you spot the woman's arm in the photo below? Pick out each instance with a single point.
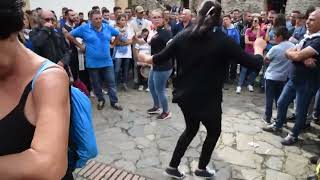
(47, 156)
(236, 53)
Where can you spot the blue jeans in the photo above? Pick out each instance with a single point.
(243, 74)
(273, 91)
(124, 63)
(108, 74)
(303, 91)
(157, 84)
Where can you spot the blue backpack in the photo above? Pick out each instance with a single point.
(82, 140)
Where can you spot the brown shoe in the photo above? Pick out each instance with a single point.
(117, 106)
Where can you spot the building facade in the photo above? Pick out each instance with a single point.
(284, 6)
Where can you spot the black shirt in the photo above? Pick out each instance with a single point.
(201, 65)
(302, 73)
(158, 43)
(50, 44)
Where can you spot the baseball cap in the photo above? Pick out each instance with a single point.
(139, 9)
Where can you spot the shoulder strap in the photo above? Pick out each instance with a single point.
(45, 65)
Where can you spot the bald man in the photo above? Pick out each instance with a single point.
(47, 42)
(186, 18)
(304, 80)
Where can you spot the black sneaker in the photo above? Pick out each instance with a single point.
(154, 110)
(266, 120)
(272, 128)
(291, 118)
(164, 116)
(289, 140)
(306, 126)
(314, 177)
(207, 174)
(174, 173)
(100, 105)
(314, 159)
(117, 106)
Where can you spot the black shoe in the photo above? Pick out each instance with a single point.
(207, 173)
(289, 140)
(272, 128)
(314, 159)
(164, 116)
(154, 110)
(117, 106)
(266, 120)
(291, 118)
(314, 177)
(101, 105)
(174, 173)
(306, 126)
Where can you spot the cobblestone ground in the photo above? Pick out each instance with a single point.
(138, 142)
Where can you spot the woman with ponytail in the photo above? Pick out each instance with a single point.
(202, 53)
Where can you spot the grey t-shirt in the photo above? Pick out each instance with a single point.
(280, 66)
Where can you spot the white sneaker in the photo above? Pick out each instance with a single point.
(92, 94)
(250, 88)
(238, 91)
(140, 88)
(104, 92)
(147, 90)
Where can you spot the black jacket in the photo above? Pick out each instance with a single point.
(201, 65)
(50, 44)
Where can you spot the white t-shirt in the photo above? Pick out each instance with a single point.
(143, 48)
(128, 54)
(138, 24)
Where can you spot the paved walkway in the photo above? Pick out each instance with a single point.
(139, 143)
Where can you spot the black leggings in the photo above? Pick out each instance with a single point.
(212, 122)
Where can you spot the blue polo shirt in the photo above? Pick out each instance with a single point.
(97, 44)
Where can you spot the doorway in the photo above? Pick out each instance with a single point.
(278, 5)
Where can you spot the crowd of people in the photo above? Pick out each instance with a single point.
(201, 51)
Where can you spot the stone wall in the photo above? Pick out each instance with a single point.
(228, 5)
(301, 5)
(243, 5)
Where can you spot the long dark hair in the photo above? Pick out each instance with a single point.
(11, 17)
(209, 16)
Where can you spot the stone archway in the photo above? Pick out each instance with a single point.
(278, 5)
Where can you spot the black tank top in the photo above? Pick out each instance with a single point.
(16, 132)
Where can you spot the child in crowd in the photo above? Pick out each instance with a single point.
(278, 70)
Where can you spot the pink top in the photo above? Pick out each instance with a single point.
(252, 37)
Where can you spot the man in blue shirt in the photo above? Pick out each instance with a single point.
(97, 37)
(303, 82)
(232, 32)
(186, 17)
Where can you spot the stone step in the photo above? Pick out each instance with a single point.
(99, 171)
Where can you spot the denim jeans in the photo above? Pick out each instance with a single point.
(273, 91)
(157, 84)
(108, 74)
(303, 91)
(124, 63)
(243, 74)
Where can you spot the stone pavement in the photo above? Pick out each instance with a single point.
(139, 143)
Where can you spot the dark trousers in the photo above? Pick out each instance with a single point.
(210, 117)
(303, 91)
(273, 91)
(84, 77)
(231, 72)
(74, 66)
(141, 80)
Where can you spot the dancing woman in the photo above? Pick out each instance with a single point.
(202, 54)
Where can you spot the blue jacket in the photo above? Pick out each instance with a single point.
(233, 33)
